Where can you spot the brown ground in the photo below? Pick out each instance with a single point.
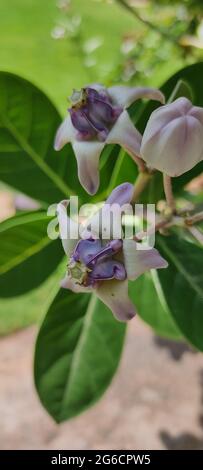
(155, 401)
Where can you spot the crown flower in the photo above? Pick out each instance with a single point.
(104, 267)
(97, 117)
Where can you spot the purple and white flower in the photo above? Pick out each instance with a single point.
(105, 267)
(173, 138)
(98, 117)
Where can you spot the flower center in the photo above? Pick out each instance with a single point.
(78, 272)
(92, 113)
(91, 262)
(78, 98)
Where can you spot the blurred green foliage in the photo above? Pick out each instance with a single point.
(63, 44)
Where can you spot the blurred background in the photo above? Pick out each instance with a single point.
(61, 45)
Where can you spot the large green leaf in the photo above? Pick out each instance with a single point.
(28, 256)
(77, 353)
(28, 122)
(146, 292)
(182, 284)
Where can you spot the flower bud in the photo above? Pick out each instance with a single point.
(173, 138)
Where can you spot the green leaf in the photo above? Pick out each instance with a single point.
(181, 89)
(28, 123)
(124, 170)
(77, 353)
(28, 256)
(22, 311)
(182, 285)
(146, 292)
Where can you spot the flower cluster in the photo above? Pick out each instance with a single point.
(105, 267)
(172, 143)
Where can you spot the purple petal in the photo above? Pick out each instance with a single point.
(121, 195)
(115, 295)
(109, 250)
(86, 250)
(126, 135)
(124, 96)
(98, 93)
(91, 117)
(108, 269)
(138, 261)
(100, 111)
(81, 123)
(87, 155)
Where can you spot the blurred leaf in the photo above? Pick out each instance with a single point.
(182, 285)
(22, 311)
(147, 294)
(28, 256)
(28, 123)
(181, 89)
(124, 170)
(77, 353)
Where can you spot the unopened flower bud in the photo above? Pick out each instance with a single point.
(173, 138)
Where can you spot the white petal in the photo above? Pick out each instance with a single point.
(125, 134)
(66, 133)
(165, 114)
(107, 220)
(67, 283)
(172, 141)
(124, 96)
(65, 228)
(197, 112)
(138, 261)
(115, 295)
(87, 155)
(97, 86)
(177, 148)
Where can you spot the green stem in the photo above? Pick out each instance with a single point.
(194, 218)
(169, 193)
(147, 23)
(36, 157)
(140, 184)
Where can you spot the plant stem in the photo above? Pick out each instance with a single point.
(169, 193)
(140, 184)
(194, 218)
(147, 23)
(140, 163)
